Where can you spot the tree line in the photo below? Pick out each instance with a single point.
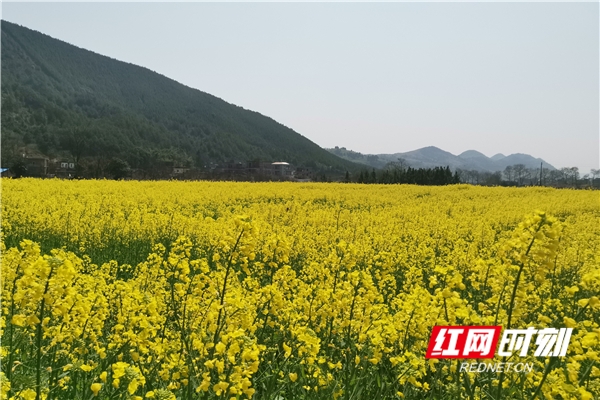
(398, 174)
(521, 175)
(513, 175)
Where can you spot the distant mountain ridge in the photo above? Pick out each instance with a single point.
(64, 101)
(431, 156)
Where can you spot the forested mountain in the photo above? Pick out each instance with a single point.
(61, 100)
(431, 157)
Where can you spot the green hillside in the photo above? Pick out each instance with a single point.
(62, 101)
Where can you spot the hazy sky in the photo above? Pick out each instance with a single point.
(375, 78)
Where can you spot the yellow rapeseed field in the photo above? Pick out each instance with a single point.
(200, 290)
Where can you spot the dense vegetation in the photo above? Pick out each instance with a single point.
(513, 175)
(422, 176)
(63, 101)
(128, 290)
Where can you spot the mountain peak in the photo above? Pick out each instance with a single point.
(472, 154)
(430, 151)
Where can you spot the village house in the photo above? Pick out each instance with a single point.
(257, 170)
(303, 174)
(179, 170)
(6, 173)
(61, 169)
(282, 169)
(233, 168)
(260, 168)
(37, 166)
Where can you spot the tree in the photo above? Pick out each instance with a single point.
(544, 174)
(555, 177)
(566, 176)
(595, 175)
(492, 178)
(574, 174)
(456, 177)
(12, 146)
(18, 168)
(76, 142)
(520, 173)
(118, 169)
(508, 173)
(396, 166)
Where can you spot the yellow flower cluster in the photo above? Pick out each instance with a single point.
(187, 290)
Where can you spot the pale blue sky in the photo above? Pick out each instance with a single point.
(375, 78)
